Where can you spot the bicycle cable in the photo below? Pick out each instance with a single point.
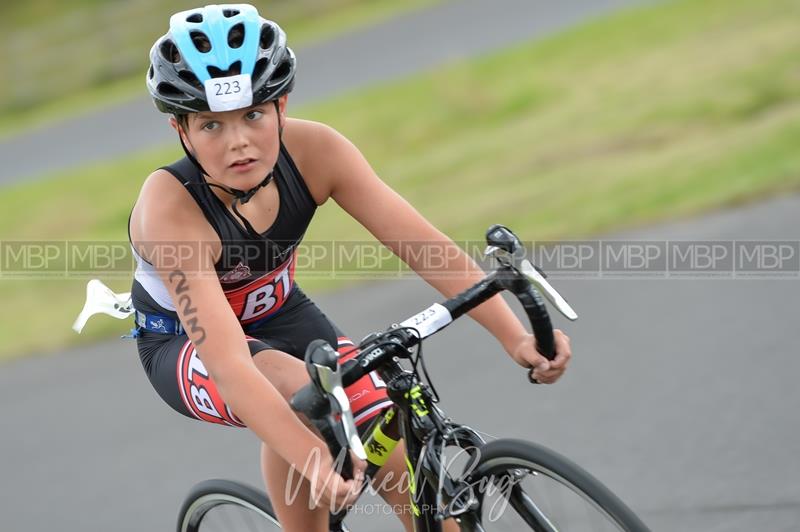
(420, 360)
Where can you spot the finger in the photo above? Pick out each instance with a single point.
(359, 467)
(358, 463)
(536, 368)
(544, 380)
(563, 352)
(341, 495)
(550, 375)
(538, 361)
(552, 371)
(549, 378)
(562, 358)
(538, 378)
(351, 494)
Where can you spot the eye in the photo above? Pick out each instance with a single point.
(255, 114)
(210, 126)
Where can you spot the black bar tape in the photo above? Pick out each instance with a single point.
(540, 322)
(472, 297)
(535, 309)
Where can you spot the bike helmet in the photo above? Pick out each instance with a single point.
(219, 58)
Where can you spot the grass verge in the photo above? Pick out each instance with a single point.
(647, 115)
(100, 79)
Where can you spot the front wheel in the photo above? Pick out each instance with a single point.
(224, 505)
(518, 485)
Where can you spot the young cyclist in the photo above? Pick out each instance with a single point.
(221, 325)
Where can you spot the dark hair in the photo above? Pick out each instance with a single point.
(183, 120)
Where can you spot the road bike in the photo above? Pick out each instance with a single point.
(453, 473)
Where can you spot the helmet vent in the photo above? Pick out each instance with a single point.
(200, 41)
(228, 13)
(283, 70)
(236, 36)
(267, 37)
(169, 51)
(261, 66)
(191, 79)
(234, 70)
(150, 72)
(197, 18)
(167, 89)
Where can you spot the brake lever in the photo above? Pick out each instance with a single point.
(508, 251)
(347, 421)
(325, 371)
(535, 276)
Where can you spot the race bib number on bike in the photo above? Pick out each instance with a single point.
(430, 320)
(229, 93)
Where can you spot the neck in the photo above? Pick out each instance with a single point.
(228, 198)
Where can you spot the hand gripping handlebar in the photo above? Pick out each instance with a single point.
(324, 401)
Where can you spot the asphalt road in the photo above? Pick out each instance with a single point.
(682, 397)
(417, 41)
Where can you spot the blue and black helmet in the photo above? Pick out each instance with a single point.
(219, 58)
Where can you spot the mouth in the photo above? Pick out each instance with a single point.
(243, 164)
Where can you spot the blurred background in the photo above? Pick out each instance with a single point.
(583, 120)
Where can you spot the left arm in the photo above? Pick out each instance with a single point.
(399, 226)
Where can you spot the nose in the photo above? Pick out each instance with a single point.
(238, 137)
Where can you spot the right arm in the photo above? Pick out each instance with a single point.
(172, 233)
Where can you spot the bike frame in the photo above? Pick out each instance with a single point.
(419, 424)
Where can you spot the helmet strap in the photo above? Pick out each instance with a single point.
(278, 116)
(241, 196)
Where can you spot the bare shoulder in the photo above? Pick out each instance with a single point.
(319, 152)
(166, 211)
(308, 134)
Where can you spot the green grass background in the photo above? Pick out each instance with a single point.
(647, 115)
(70, 56)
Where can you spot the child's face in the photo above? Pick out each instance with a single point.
(237, 148)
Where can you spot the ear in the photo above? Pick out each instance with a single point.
(282, 109)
